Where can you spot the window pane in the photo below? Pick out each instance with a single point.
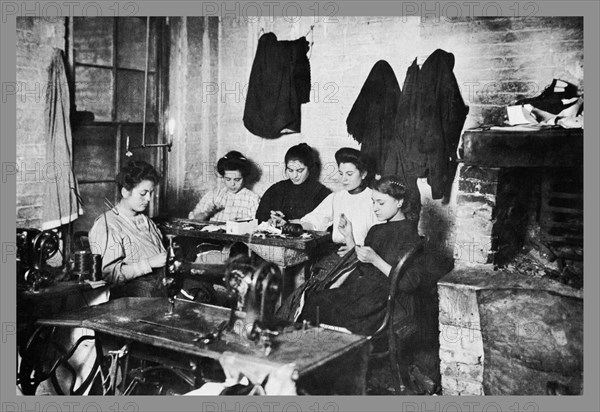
(94, 92)
(131, 40)
(94, 152)
(130, 97)
(93, 40)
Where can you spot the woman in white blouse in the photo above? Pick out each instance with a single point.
(353, 203)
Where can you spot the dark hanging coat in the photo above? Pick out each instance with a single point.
(403, 158)
(279, 84)
(371, 119)
(442, 114)
(429, 121)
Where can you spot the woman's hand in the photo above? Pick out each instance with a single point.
(343, 250)
(366, 254)
(158, 261)
(277, 218)
(345, 226)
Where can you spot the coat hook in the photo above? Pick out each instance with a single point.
(312, 27)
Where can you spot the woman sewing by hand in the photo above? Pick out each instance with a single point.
(296, 196)
(353, 203)
(232, 202)
(358, 301)
(129, 242)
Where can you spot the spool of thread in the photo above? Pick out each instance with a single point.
(87, 266)
(97, 272)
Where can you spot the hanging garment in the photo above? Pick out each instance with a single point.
(441, 116)
(61, 193)
(279, 84)
(429, 121)
(371, 119)
(403, 158)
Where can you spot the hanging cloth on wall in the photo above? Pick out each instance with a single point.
(279, 84)
(61, 195)
(430, 118)
(403, 158)
(371, 119)
(442, 114)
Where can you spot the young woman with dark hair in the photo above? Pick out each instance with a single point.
(358, 300)
(299, 194)
(232, 202)
(128, 241)
(352, 203)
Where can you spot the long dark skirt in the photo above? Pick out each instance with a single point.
(358, 305)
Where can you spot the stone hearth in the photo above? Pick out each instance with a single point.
(505, 334)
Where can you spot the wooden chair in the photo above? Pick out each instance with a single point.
(393, 334)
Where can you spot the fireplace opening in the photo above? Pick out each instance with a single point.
(538, 229)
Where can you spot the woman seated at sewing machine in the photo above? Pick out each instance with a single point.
(232, 202)
(357, 299)
(296, 196)
(129, 242)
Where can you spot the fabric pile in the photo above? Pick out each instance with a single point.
(558, 105)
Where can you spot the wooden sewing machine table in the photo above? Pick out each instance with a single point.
(284, 252)
(301, 361)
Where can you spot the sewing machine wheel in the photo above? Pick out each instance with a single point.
(264, 291)
(41, 357)
(266, 284)
(46, 243)
(36, 361)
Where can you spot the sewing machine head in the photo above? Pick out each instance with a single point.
(258, 291)
(256, 288)
(34, 248)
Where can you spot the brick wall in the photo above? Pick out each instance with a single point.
(498, 60)
(36, 37)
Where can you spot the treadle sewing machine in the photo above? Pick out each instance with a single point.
(172, 346)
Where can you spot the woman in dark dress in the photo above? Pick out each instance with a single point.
(359, 303)
(296, 196)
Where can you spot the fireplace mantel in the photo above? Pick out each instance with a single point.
(552, 147)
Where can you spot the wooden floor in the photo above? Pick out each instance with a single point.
(380, 378)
